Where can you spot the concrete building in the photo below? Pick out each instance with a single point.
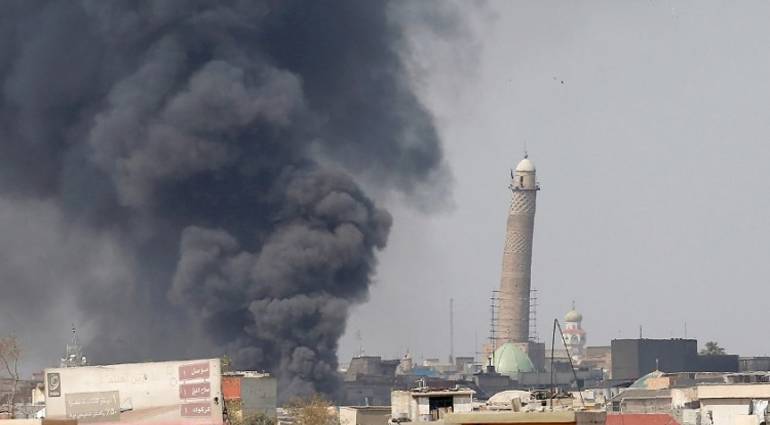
(725, 404)
(368, 390)
(405, 365)
(640, 419)
(364, 415)
(371, 366)
(248, 394)
(754, 364)
(718, 363)
(369, 380)
(427, 404)
(491, 417)
(463, 363)
(562, 417)
(26, 399)
(634, 358)
(490, 382)
(639, 400)
(599, 357)
(694, 398)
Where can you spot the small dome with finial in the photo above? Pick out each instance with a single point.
(573, 315)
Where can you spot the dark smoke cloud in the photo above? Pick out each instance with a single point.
(181, 176)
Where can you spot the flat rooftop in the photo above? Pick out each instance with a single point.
(510, 417)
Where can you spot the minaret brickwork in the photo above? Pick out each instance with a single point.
(513, 311)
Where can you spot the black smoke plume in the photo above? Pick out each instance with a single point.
(183, 176)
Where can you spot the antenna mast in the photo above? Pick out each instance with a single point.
(360, 343)
(451, 331)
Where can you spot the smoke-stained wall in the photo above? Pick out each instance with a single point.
(183, 176)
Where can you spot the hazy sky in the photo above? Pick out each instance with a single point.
(653, 160)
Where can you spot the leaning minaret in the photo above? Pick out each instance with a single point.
(513, 312)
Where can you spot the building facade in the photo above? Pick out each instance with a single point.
(427, 405)
(634, 358)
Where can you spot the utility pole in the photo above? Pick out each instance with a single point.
(451, 331)
(360, 340)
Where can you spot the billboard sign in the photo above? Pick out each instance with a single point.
(93, 406)
(53, 383)
(181, 392)
(202, 408)
(195, 390)
(194, 371)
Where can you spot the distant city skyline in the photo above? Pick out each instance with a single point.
(648, 125)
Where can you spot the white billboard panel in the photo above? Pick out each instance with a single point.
(169, 393)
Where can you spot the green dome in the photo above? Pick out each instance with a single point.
(644, 381)
(510, 360)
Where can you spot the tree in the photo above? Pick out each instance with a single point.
(227, 363)
(712, 348)
(313, 411)
(235, 415)
(9, 363)
(258, 419)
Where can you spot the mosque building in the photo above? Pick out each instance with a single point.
(514, 351)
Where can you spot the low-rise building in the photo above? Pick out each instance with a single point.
(556, 417)
(721, 404)
(754, 364)
(694, 398)
(364, 415)
(249, 394)
(520, 418)
(428, 404)
(634, 358)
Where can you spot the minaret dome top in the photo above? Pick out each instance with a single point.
(526, 166)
